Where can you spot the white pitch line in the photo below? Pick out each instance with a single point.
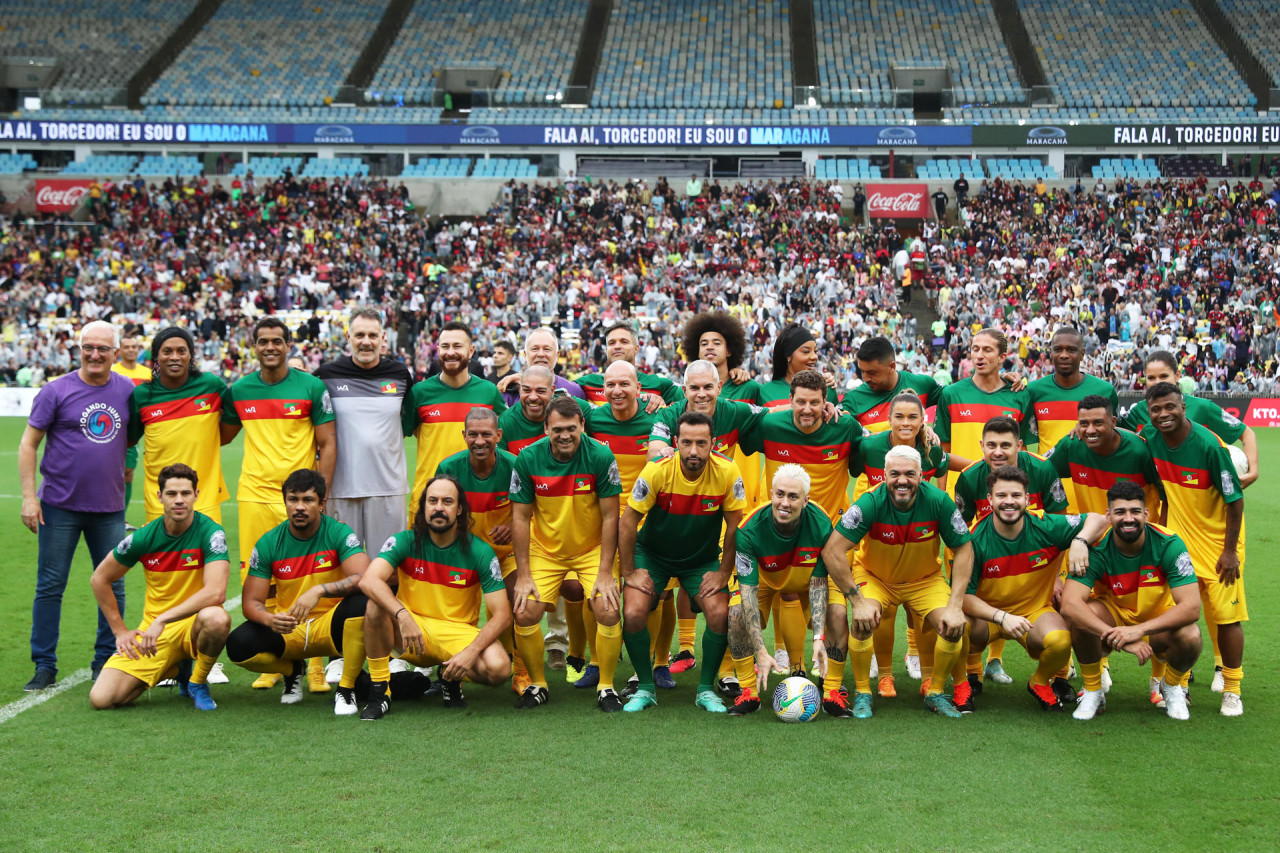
(75, 679)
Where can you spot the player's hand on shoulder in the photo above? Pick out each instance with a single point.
(739, 375)
(652, 403)
(831, 412)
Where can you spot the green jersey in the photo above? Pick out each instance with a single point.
(443, 583)
(1199, 481)
(1018, 574)
(745, 392)
(1140, 585)
(777, 392)
(683, 517)
(1055, 407)
(296, 565)
(729, 421)
(566, 495)
(518, 432)
(964, 409)
(901, 546)
(1045, 492)
(181, 425)
(784, 559)
(1207, 413)
(174, 565)
(592, 384)
(628, 440)
(1091, 474)
(436, 413)
(871, 408)
(488, 498)
(870, 459)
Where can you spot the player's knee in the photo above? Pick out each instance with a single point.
(1055, 642)
(1188, 639)
(215, 621)
(529, 619)
(980, 635)
(245, 642)
(494, 667)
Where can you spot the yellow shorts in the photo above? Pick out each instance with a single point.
(255, 520)
(508, 564)
(443, 638)
(922, 597)
(1223, 604)
(835, 596)
(312, 638)
(549, 572)
(1122, 616)
(998, 633)
(174, 646)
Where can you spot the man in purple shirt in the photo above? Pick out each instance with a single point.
(85, 417)
(540, 347)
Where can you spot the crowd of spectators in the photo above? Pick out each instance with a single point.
(1184, 265)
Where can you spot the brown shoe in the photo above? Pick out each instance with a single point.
(555, 660)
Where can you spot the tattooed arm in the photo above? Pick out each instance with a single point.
(744, 622)
(818, 608)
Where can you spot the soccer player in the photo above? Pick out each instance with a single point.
(882, 381)
(1138, 595)
(964, 407)
(179, 411)
(1054, 398)
(287, 417)
(1002, 445)
(525, 422)
(1015, 569)
(1097, 455)
(795, 350)
(184, 555)
(1206, 508)
(129, 368)
(438, 405)
(902, 522)
(368, 392)
(541, 347)
(779, 549)
(432, 617)
(622, 345)
(565, 519)
(1161, 366)
(684, 502)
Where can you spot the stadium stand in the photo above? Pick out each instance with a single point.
(268, 167)
(691, 116)
(717, 54)
(1094, 115)
(1020, 169)
(249, 54)
(153, 165)
(437, 167)
(102, 164)
(335, 167)
(533, 41)
(950, 170)
(1257, 22)
(858, 43)
(845, 169)
(1190, 166)
(1110, 168)
(505, 168)
(16, 164)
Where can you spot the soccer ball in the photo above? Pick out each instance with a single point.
(796, 700)
(1239, 460)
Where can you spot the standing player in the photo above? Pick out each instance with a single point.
(621, 345)
(684, 501)
(432, 617)
(902, 522)
(184, 554)
(1099, 455)
(288, 422)
(964, 407)
(525, 422)
(437, 406)
(542, 348)
(1010, 593)
(129, 368)
(1054, 398)
(1138, 595)
(1206, 508)
(314, 562)
(178, 412)
(565, 519)
(779, 550)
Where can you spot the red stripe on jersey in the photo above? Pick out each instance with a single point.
(595, 395)
(1019, 564)
(1058, 410)
(186, 560)
(726, 441)
(514, 447)
(307, 564)
(188, 407)
(447, 413)
(980, 413)
(902, 534)
(429, 571)
(1097, 478)
(794, 557)
(563, 485)
(780, 451)
(258, 410)
(1129, 582)
(1183, 475)
(624, 445)
(488, 501)
(689, 504)
(875, 415)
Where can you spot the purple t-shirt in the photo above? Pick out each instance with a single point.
(86, 435)
(573, 389)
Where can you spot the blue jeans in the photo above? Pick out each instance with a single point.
(58, 538)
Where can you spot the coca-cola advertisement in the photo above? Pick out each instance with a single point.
(60, 195)
(898, 201)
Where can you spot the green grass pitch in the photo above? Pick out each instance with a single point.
(258, 775)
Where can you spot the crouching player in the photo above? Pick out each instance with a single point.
(314, 562)
(184, 555)
(444, 571)
(1015, 567)
(1144, 586)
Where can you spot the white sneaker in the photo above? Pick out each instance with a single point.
(913, 666)
(292, 694)
(1071, 671)
(167, 682)
(1216, 686)
(1175, 702)
(333, 672)
(994, 671)
(1157, 697)
(344, 702)
(216, 675)
(1089, 704)
(783, 659)
(875, 668)
(1232, 705)
(1106, 679)
(400, 665)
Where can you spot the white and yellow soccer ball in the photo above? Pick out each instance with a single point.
(1239, 460)
(796, 700)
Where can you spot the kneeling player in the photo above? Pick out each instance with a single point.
(779, 550)
(1015, 558)
(314, 562)
(184, 555)
(444, 571)
(1144, 585)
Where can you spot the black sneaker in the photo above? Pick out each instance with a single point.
(1043, 693)
(608, 701)
(747, 703)
(730, 687)
(42, 680)
(379, 704)
(410, 685)
(799, 672)
(453, 697)
(632, 685)
(532, 697)
(1063, 690)
(975, 683)
(837, 705)
(683, 662)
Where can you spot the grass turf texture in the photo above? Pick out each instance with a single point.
(256, 773)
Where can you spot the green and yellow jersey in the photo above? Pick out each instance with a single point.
(174, 565)
(628, 440)
(766, 557)
(435, 413)
(181, 425)
(901, 546)
(871, 408)
(964, 409)
(443, 583)
(1045, 491)
(565, 495)
(683, 517)
(592, 385)
(296, 565)
(488, 497)
(518, 432)
(824, 454)
(1091, 474)
(1140, 585)
(1018, 574)
(1055, 407)
(1207, 413)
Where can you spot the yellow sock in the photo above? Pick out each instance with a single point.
(973, 663)
(791, 625)
(726, 667)
(882, 639)
(688, 633)
(352, 651)
(589, 627)
(200, 671)
(926, 640)
(912, 648)
(518, 670)
(1213, 638)
(267, 662)
(1057, 651)
(1173, 677)
(315, 665)
(1185, 681)
(777, 614)
(995, 650)
(608, 647)
(380, 669)
(958, 670)
(945, 654)
(529, 646)
(655, 625)
(577, 628)
(666, 630)
(1158, 668)
(860, 654)
(1092, 675)
(1231, 676)
(745, 669)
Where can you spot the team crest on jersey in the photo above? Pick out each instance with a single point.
(388, 387)
(1228, 484)
(353, 541)
(662, 431)
(1073, 520)
(500, 501)
(457, 578)
(852, 517)
(614, 476)
(1183, 566)
(807, 556)
(1050, 452)
(742, 565)
(292, 410)
(388, 545)
(957, 523)
(218, 542)
(581, 484)
(202, 405)
(722, 446)
(1056, 491)
(514, 486)
(710, 504)
(1230, 419)
(923, 531)
(640, 490)
(739, 490)
(1190, 479)
(253, 558)
(495, 570)
(326, 403)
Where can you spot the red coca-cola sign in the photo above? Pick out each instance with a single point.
(60, 195)
(898, 201)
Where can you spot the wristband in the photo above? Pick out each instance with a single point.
(1080, 539)
(398, 612)
(819, 638)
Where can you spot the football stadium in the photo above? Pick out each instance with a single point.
(595, 411)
